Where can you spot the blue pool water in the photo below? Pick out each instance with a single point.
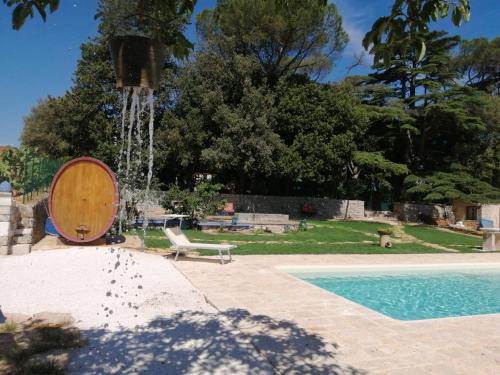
(416, 295)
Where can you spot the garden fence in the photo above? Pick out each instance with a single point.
(38, 172)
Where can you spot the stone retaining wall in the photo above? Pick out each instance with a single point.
(21, 225)
(326, 208)
(419, 212)
(39, 214)
(7, 224)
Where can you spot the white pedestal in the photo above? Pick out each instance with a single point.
(6, 222)
(491, 239)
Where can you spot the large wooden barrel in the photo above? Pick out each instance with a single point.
(83, 199)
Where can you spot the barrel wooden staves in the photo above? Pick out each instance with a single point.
(83, 200)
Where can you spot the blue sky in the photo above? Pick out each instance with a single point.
(40, 59)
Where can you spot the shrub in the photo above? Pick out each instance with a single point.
(204, 200)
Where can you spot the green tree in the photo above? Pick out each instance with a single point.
(204, 200)
(27, 8)
(83, 121)
(371, 177)
(162, 20)
(45, 128)
(418, 83)
(299, 36)
(478, 62)
(222, 123)
(409, 22)
(321, 126)
(413, 78)
(444, 187)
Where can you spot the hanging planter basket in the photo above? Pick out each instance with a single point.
(137, 61)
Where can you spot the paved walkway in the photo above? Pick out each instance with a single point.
(328, 334)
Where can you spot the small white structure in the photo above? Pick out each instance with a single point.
(491, 239)
(14, 240)
(7, 225)
(180, 242)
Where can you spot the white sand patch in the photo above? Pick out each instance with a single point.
(138, 312)
(99, 287)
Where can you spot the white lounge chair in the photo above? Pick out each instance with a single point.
(180, 242)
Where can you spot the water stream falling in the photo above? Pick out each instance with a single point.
(135, 184)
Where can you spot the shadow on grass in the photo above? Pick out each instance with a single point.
(201, 343)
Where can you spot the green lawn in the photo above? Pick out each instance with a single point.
(451, 240)
(327, 237)
(359, 248)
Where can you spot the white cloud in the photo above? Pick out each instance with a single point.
(358, 17)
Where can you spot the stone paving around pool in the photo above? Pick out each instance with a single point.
(346, 337)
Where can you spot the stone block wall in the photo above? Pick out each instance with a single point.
(418, 212)
(31, 222)
(21, 225)
(7, 223)
(326, 208)
(39, 215)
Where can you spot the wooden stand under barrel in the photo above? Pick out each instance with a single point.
(83, 200)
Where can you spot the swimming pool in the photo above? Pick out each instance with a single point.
(414, 293)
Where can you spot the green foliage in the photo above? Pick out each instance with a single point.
(404, 28)
(14, 161)
(444, 187)
(204, 200)
(163, 20)
(84, 121)
(414, 78)
(320, 125)
(461, 127)
(26, 8)
(222, 123)
(246, 108)
(297, 36)
(4, 170)
(246, 143)
(376, 162)
(27, 170)
(478, 61)
(43, 127)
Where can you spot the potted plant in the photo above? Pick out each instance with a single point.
(385, 236)
(141, 33)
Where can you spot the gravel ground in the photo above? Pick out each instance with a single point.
(139, 313)
(100, 287)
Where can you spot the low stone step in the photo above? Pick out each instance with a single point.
(5, 210)
(5, 229)
(20, 249)
(5, 217)
(6, 200)
(4, 241)
(25, 211)
(23, 232)
(26, 223)
(25, 239)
